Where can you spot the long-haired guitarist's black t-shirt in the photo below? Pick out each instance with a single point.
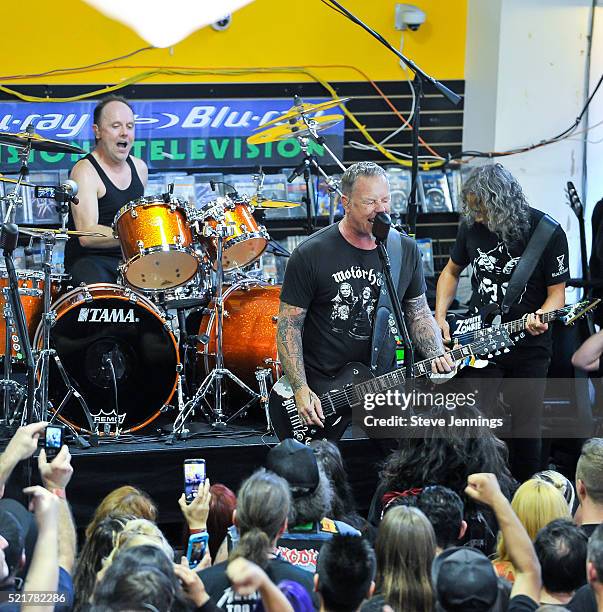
(339, 286)
(493, 262)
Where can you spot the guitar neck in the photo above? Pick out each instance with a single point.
(520, 324)
(397, 377)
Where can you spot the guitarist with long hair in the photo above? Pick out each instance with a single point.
(496, 226)
(331, 288)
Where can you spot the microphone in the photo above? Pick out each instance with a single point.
(381, 226)
(298, 171)
(9, 236)
(70, 189)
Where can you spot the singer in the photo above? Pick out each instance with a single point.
(108, 178)
(331, 289)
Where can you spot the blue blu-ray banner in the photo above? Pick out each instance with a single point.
(178, 134)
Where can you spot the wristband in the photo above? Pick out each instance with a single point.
(192, 531)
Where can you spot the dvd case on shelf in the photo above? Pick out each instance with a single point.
(399, 186)
(434, 190)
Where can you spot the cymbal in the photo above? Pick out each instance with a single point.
(258, 201)
(5, 179)
(296, 111)
(292, 130)
(38, 143)
(38, 231)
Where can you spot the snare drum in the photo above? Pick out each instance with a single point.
(249, 331)
(31, 292)
(157, 243)
(246, 241)
(105, 336)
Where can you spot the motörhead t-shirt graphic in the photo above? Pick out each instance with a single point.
(494, 262)
(354, 304)
(339, 285)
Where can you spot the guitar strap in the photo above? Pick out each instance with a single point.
(383, 345)
(527, 263)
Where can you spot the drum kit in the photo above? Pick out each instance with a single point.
(108, 359)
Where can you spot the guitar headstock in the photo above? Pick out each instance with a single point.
(491, 340)
(574, 200)
(578, 310)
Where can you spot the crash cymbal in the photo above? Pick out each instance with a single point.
(259, 201)
(292, 130)
(38, 231)
(5, 179)
(38, 143)
(306, 109)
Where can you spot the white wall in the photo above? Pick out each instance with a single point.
(537, 66)
(595, 135)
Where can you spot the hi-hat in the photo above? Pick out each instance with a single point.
(294, 130)
(296, 111)
(34, 141)
(38, 231)
(259, 201)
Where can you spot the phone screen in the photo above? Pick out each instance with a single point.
(53, 440)
(197, 544)
(194, 477)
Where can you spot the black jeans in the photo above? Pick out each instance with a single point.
(524, 401)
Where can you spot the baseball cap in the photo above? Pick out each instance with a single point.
(464, 580)
(296, 463)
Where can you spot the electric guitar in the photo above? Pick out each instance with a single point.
(465, 329)
(340, 393)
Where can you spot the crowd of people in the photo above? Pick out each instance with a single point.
(443, 537)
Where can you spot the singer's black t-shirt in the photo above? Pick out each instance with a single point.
(339, 284)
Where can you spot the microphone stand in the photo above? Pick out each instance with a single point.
(381, 228)
(417, 85)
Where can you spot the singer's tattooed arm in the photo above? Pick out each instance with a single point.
(424, 331)
(291, 354)
(289, 343)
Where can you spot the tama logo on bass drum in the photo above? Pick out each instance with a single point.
(107, 315)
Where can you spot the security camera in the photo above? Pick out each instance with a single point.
(222, 24)
(409, 16)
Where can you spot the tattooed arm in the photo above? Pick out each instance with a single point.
(291, 354)
(425, 333)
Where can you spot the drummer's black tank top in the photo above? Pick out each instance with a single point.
(108, 206)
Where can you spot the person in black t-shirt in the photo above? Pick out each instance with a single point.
(596, 258)
(496, 226)
(332, 285)
(107, 178)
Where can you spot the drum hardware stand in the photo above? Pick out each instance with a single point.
(261, 374)
(217, 374)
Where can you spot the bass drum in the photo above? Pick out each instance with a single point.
(249, 331)
(111, 342)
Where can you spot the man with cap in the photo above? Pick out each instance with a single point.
(311, 494)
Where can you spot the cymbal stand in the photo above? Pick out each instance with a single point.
(9, 237)
(219, 372)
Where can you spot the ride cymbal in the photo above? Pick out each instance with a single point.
(258, 201)
(306, 109)
(294, 130)
(22, 140)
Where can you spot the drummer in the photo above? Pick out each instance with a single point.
(107, 178)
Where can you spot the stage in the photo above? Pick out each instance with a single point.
(151, 464)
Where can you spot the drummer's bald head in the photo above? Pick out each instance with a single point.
(98, 111)
(357, 170)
